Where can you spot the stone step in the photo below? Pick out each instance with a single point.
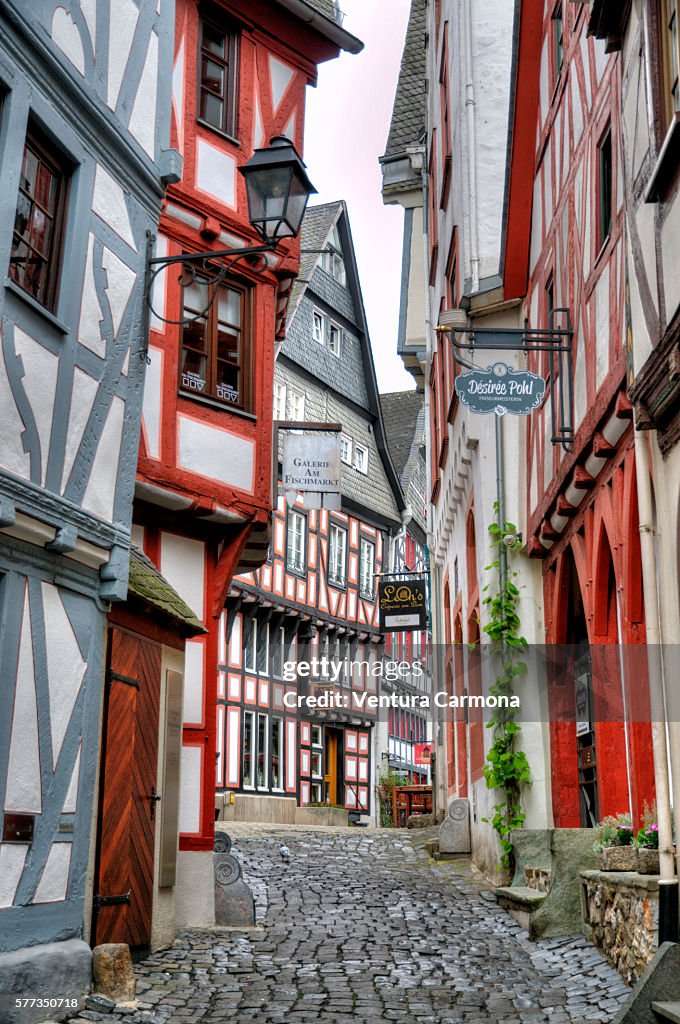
(520, 895)
(667, 1012)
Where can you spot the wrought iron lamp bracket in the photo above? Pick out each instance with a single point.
(556, 341)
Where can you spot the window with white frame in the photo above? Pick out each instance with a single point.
(278, 649)
(248, 749)
(317, 764)
(262, 751)
(361, 458)
(277, 753)
(263, 649)
(346, 449)
(337, 555)
(318, 325)
(334, 339)
(295, 542)
(332, 260)
(296, 404)
(279, 401)
(366, 567)
(250, 647)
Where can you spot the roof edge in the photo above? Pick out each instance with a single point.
(323, 25)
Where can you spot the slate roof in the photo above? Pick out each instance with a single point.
(401, 411)
(316, 228)
(326, 7)
(410, 100)
(147, 584)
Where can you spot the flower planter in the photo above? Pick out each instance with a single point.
(618, 858)
(647, 861)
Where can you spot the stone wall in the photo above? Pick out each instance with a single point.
(620, 916)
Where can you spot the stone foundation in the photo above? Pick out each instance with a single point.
(620, 916)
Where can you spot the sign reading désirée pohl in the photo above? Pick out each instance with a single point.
(500, 389)
(403, 605)
(311, 462)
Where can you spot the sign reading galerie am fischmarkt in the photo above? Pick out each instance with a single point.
(403, 605)
(311, 462)
(500, 389)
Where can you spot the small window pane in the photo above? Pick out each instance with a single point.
(229, 306)
(213, 77)
(29, 171)
(213, 40)
(211, 109)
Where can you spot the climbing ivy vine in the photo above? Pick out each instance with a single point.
(507, 767)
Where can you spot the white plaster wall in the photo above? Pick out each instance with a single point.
(195, 890)
(163, 925)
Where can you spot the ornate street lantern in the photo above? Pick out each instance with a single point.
(278, 190)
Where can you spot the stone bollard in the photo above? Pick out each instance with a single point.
(234, 903)
(454, 831)
(113, 973)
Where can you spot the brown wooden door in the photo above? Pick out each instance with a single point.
(124, 879)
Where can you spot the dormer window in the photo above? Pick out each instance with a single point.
(332, 260)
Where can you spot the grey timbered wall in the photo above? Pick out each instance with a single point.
(95, 78)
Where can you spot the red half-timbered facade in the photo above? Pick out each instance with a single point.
(316, 596)
(581, 504)
(204, 480)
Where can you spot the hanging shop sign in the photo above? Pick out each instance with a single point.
(500, 389)
(311, 462)
(403, 605)
(422, 753)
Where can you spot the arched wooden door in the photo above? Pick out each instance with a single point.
(124, 872)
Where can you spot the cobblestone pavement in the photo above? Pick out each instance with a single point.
(359, 927)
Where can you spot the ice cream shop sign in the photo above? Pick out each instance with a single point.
(500, 389)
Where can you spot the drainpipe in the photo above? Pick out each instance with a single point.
(668, 884)
(472, 145)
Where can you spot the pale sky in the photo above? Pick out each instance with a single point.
(348, 117)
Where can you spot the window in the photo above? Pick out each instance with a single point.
(295, 542)
(262, 744)
(605, 191)
(277, 753)
(366, 567)
(212, 360)
(248, 749)
(296, 404)
(318, 327)
(337, 555)
(361, 458)
(250, 649)
(671, 51)
(558, 40)
(317, 738)
(334, 339)
(279, 401)
(278, 648)
(263, 649)
(38, 222)
(332, 260)
(218, 84)
(346, 449)
(317, 764)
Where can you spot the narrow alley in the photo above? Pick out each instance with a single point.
(361, 926)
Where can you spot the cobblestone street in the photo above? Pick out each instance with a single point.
(361, 926)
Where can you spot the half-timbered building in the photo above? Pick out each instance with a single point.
(524, 219)
(315, 597)
(85, 154)
(581, 497)
(204, 479)
(404, 418)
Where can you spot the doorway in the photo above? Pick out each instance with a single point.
(126, 823)
(582, 674)
(332, 779)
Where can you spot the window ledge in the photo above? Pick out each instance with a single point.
(218, 131)
(36, 306)
(665, 170)
(214, 403)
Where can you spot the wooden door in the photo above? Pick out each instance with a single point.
(331, 767)
(124, 874)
